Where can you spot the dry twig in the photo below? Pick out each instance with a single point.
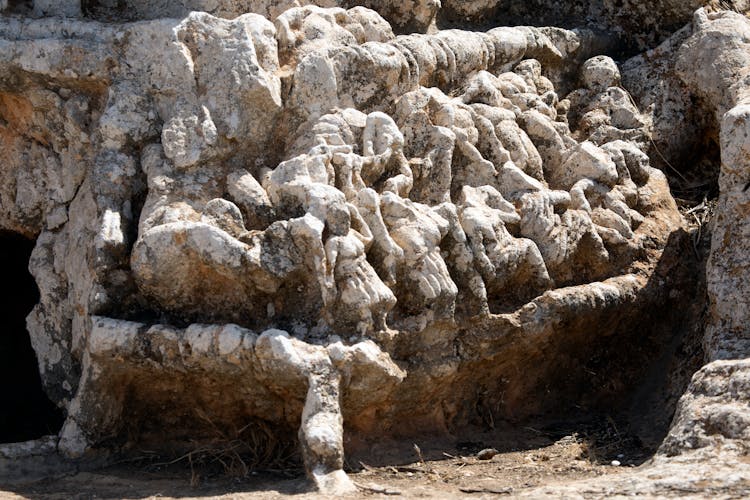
(377, 489)
(497, 491)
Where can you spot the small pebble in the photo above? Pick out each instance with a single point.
(487, 454)
(615, 463)
(620, 456)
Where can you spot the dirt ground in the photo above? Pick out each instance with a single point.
(431, 469)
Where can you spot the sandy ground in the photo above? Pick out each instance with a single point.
(437, 470)
(595, 461)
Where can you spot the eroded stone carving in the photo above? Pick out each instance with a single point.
(389, 211)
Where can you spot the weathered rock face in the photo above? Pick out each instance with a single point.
(709, 60)
(726, 36)
(406, 15)
(708, 64)
(640, 24)
(287, 214)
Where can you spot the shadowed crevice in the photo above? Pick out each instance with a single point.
(25, 411)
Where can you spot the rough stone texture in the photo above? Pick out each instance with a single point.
(641, 24)
(32, 460)
(405, 15)
(279, 374)
(710, 60)
(705, 453)
(692, 476)
(722, 79)
(708, 63)
(292, 216)
(728, 335)
(712, 415)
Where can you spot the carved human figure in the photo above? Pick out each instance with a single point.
(472, 292)
(469, 130)
(245, 190)
(531, 71)
(551, 139)
(434, 169)
(602, 110)
(357, 300)
(352, 170)
(383, 146)
(501, 173)
(424, 284)
(507, 264)
(306, 183)
(348, 166)
(428, 145)
(522, 97)
(331, 142)
(385, 252)
(607, 208)
(569, 243)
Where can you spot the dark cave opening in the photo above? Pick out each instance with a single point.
(25, 411)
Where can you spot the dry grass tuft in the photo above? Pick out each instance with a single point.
(237, 452)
